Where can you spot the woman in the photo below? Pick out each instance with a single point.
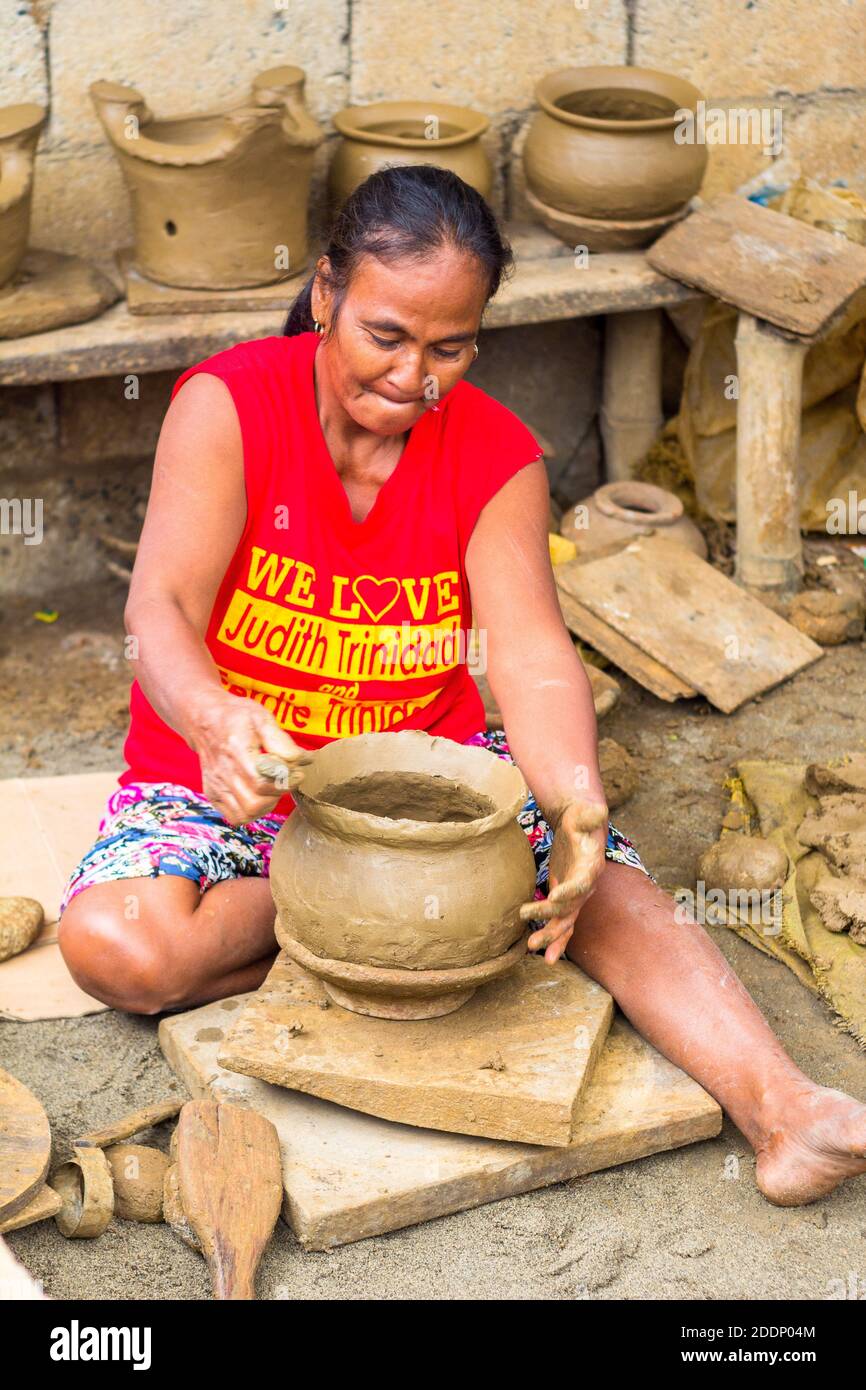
(313, 496)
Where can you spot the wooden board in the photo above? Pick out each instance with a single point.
(511, 1063)
(629, 658)
(688, 615)
(45, 1204)
(796, 277)
(25, 1145)
(347, 1176)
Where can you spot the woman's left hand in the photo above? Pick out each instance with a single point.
(576, 860)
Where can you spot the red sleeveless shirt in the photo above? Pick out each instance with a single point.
(341, 627)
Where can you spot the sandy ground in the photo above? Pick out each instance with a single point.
(669, 1227)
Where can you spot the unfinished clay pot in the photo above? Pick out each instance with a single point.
(408, 132)
(617, 512)
(218, 201)
(20, 127)
(399, 877)
(602, 148)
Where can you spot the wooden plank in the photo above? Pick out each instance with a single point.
(544, 288)
(796, 277)
(25, 1145)
(680, 610)
(658, 679)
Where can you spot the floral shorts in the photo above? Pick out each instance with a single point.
(153, 828)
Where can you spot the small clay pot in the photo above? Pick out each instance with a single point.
(617, 512)
(408, 132)
(20, 128)
(602, 145)
(404, 860)
(219, 201)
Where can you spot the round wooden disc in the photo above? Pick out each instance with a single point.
(25, 1145)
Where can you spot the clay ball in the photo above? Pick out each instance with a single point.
(139, 1175)
(743, 863)
(619, 773)
(20, 921)
(826, 617)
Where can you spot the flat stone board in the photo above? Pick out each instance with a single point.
(512, 1063)
(348, 1176)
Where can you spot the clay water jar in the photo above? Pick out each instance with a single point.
(617, 512)
(216, 197)
(393, 132)
(20, 128)
(405, 898)
(602, 145)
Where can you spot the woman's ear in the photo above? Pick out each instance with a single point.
(320, 296)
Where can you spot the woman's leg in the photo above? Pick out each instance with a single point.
(679, 992)
(149, 944)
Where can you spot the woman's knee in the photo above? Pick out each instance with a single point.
(122, 963)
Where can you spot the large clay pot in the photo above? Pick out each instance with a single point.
(602, 147)
(405, 897)
(617, 512)
(20, 127)
(408, 132)
(216, 198)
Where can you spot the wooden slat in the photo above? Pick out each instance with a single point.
(688, 615)
(629, 658)
(796, 277)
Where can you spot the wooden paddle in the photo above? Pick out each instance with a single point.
(231, 1189)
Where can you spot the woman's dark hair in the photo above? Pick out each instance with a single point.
(406, 211)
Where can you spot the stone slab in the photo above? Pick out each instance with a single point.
(512, 1063)
(348, 1176)
(145, 296)
(545, 288)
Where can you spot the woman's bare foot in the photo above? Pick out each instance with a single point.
(820, 1142)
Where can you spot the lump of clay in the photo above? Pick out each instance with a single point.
(20, 921)
(619, 773)
(139, 1176)
(743, 863)
(841, 905)
(826, 617)
(838, 830)
(823, 779)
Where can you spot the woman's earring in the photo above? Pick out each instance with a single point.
(475, 350)
(318, 327)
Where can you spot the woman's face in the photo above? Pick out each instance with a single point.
(404, 336)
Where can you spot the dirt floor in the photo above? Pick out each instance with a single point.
(673, 1226)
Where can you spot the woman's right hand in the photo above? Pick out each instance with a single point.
(229, 734)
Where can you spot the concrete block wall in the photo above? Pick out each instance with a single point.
(803, 57)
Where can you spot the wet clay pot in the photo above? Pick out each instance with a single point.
(219, 201)
(408, 132)
(602, 148)
(20, 127)
(398, 879)
(617, 512)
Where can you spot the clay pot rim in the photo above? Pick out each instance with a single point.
(348, 122)
(362, 825)
(571, 80)
(22, 118)
(400, 979)
(613, 500)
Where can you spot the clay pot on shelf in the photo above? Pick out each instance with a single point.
(219, 201)
(408, 132)
(603, 168)
(617, 512)
(399, 877)
(20, 128)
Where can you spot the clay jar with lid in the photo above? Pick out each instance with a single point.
(20, 127)
(399, 877)
(408, 132)
(602, 146)
(618, 512)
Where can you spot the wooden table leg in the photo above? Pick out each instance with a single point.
(631, 402)
(770, 380)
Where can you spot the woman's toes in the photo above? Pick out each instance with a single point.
(821, 1145)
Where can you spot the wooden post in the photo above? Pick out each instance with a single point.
(631, 410)
(770, 380)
